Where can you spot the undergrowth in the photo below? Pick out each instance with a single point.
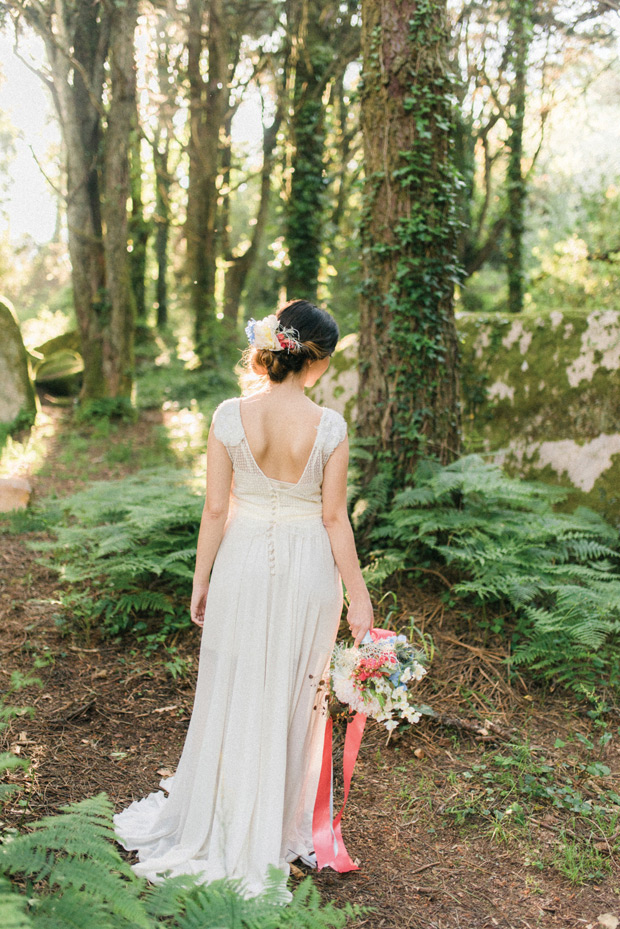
(518, 789)
(127, 549)
(68, 872)
(552, 579)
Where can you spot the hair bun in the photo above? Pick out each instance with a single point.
(314, 336)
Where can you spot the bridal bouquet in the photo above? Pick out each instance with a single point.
(373, 678)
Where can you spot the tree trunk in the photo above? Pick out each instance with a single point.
(208, 103)
(139, 228)
(118, 343)
(240, 265)
(305, 203)
(521, 25)
(80, 37)
(163, 182)
(74, 91)
(408, 401)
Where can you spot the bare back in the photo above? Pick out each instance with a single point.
(281, 433)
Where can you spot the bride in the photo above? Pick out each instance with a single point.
(275, 541)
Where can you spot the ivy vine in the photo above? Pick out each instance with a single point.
(421, 249)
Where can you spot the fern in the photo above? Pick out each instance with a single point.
(9, 762)
(75, 878)
(126, 548)
(12, 908)
(559, 573)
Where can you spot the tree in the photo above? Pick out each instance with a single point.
(520, 12)
(322, 40)
(207, 110)
(239, 264)
(90, 50)
(509, 56)
(408, 400)
(158, 125)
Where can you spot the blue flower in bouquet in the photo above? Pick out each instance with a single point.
(373, 679)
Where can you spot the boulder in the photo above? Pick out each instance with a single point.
(17, 397)
(542, 392)
(14, 494)
(70, 340)
(58, 365)
(60, 372)
(337, 388)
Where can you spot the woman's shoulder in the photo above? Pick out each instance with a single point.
(333, 428)
(226, 422)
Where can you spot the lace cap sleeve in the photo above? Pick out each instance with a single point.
(226, 422)
(334, 431)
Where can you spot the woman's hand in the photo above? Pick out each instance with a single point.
(198, 604)
(359, 617)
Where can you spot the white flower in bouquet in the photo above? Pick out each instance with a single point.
(372, 679)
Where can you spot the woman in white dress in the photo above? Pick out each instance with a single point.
(274, 542)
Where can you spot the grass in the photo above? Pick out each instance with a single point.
(515, 793)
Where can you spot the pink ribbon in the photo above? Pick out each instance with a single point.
(329, 846)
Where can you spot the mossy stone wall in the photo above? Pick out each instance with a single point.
(540, 391)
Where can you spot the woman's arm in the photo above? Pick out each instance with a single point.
(214, 514)
(336, 521)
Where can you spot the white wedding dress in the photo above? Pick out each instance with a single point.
(243, 793)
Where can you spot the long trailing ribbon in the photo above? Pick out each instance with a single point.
(329, 846)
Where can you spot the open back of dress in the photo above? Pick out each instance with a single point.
(243, 793)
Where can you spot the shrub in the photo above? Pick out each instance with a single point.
(130, 546)
(71, 874)
(557, 574)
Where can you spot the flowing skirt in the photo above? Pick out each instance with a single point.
(243, 794)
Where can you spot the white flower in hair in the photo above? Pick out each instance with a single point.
(261, 333)
(267, 334)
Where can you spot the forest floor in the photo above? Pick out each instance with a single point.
(484, 816)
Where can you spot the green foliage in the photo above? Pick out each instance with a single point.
(174, 381)
(129, 546)
(23, 421)
(569, 275)
(506, 789)
(8, 763)
(555, 574)
(72, 875)
(412, 266)
(18, 682)
(106, 408)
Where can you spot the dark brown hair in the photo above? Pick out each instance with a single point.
(315, 329)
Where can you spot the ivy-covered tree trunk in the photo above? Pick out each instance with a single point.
(163, 183)
(408, 352)
(521, 29)
(305, 198)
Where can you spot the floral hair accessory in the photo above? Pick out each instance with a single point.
(268, 334)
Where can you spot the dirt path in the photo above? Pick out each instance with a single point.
(443, 835)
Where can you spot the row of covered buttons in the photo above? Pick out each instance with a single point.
(270, 531)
